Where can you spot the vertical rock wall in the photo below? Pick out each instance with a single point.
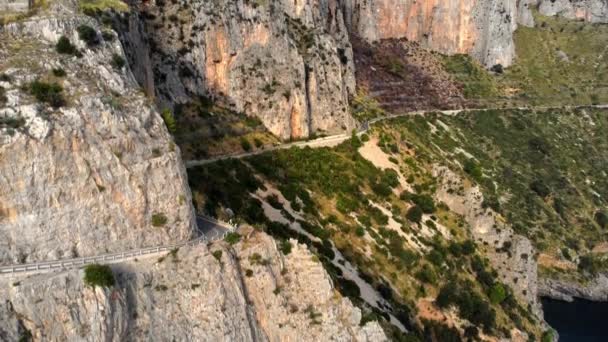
(288, 63)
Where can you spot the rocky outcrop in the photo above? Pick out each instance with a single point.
(251, 292)
(596, 289)
(482, 28)
(594, 11)
(288, 63)
(86, 177)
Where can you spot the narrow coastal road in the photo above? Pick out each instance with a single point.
(335, 140)
(209, 230)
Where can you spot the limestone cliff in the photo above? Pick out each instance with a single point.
(85, 160)
(482, 28)
(595, 11)
(249, 292)
(288, 63)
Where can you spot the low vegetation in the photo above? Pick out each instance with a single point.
(50, 93)
(340, 195)
(559, 62)
(98, 275)
(541, 170)
(88, 35)
(204, 129)
(159, 219)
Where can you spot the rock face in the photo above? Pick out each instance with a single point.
(596, 290)
(191, 295)
(288, 63)
(595, 11)
(482, 28)
(88, 177)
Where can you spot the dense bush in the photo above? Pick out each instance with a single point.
(425, 202)
(427, 275)
(51, 93)
(232, 238)
(440, 332)
(472, 168)
(169, 120)
(469, 303)
(414, 214)
(59, 72)
(498, 293)
(64, 46)
(540, 188)
(118, 62)
(245, 144)
(88, 35)
(3, 98)
(159, 219)
(98, 275)
(601, 218)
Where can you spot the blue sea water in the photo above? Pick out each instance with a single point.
(578, 321)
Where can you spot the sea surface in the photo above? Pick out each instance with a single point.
(578, 321)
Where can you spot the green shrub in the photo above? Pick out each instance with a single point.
(425, 202)
(427, 275)
(232, 238)
(470, 305)
(108, 36)
(472, 168)
(169, 120)
(414, 214)
(98, 275)
(118, 62)
(285, 247)
(498, 293)
(51, 93)
(360, 231)
(88, 35)
(64, 46)
(548, 336)
(245, 144)
(3, 98)
(257, 142)
(601, 218)
(159, 220)
(217, 255)
(439, 331)
(59, 72)
(540, 188)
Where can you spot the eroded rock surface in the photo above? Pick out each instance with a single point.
(288, 63)
(248, 292)
(87, 177)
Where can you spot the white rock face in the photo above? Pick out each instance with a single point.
(85, 178)
(595, 11)
(190, 296)
(288, 63)
(481, 28)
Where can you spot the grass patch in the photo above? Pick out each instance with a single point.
(94, 6)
